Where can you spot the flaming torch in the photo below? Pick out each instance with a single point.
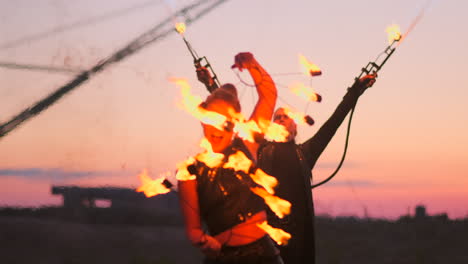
(212, 82)
(394, 36)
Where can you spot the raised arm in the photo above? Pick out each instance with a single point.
(314, 146)
(266, 89)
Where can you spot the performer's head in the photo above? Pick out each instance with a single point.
(280, 117)
(224, 101)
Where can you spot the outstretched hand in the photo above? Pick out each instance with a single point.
(244, 60)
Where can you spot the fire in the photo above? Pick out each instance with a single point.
(239, 162)
(309, 68)
(151, 187)
(182, 172)
(305, 92)
(209, 157)
(190, 103)
(268, 182)
(180, 27)
(298, 117)
(279, 206)
(394, 33)
(278, 235)
(277, 133)
(247, 130)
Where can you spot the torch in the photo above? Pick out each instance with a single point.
(209, 79)
(394, 36)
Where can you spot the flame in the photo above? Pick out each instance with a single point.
(239, 162)
(209, 157)
(151, 187)
(180, 27)
(247, 130)
(279, 206)
(277, 133)
(268, 182)
(298, 117)
(278, 235)
(394, 33)
(190, 103)
(305, 92)
(309, 68)
(182, 172)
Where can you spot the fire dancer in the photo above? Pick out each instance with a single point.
(221, 197)
(291, 164)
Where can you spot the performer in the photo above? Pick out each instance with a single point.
(291, 164)
(221, 198)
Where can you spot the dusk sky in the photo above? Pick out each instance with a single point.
(409, 136)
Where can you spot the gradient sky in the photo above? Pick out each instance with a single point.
(409, 137)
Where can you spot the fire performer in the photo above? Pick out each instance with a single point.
(216, 195)
(291, 164)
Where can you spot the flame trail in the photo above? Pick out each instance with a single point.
(278, 235)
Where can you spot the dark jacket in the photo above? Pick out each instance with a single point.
(292, 164)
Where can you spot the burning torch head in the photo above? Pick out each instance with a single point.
(223, 101)
(281, 117)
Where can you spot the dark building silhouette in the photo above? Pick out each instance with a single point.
(75, 197)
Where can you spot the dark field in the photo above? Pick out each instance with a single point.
(27, 237)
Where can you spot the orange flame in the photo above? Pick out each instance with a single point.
(298, 117)
(309, 68)
(182, 172)
(305, 92)
(394, 33)
(190, 103)
(278, 235)
(279, 206)
(209, 157)
(277, 133)
(268, 182)
(247, 130)
(151, 187)
(180, 27)
(239, 162)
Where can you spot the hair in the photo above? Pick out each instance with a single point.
(227, 93)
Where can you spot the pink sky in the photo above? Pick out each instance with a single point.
(409, 135)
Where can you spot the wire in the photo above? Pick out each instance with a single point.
(344, 151)
(82, 23)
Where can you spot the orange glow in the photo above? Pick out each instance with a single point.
(151, 187)
(180, 27)
(278, 235)
(182, 172)
(247, 130)
(298, 117)
(394, 33)
(276, 132)
(279, 206)
(309, 68)
(305, 92)
(209, 157)
(239, 162)
(190, 103)
(268, 182)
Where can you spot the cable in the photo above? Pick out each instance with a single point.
(344, 152)
(82, 23)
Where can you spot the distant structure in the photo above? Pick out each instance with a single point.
(75, 197)
(420, 214)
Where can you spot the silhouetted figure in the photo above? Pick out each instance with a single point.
(291, 164)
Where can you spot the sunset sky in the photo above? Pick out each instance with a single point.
(409, 137)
